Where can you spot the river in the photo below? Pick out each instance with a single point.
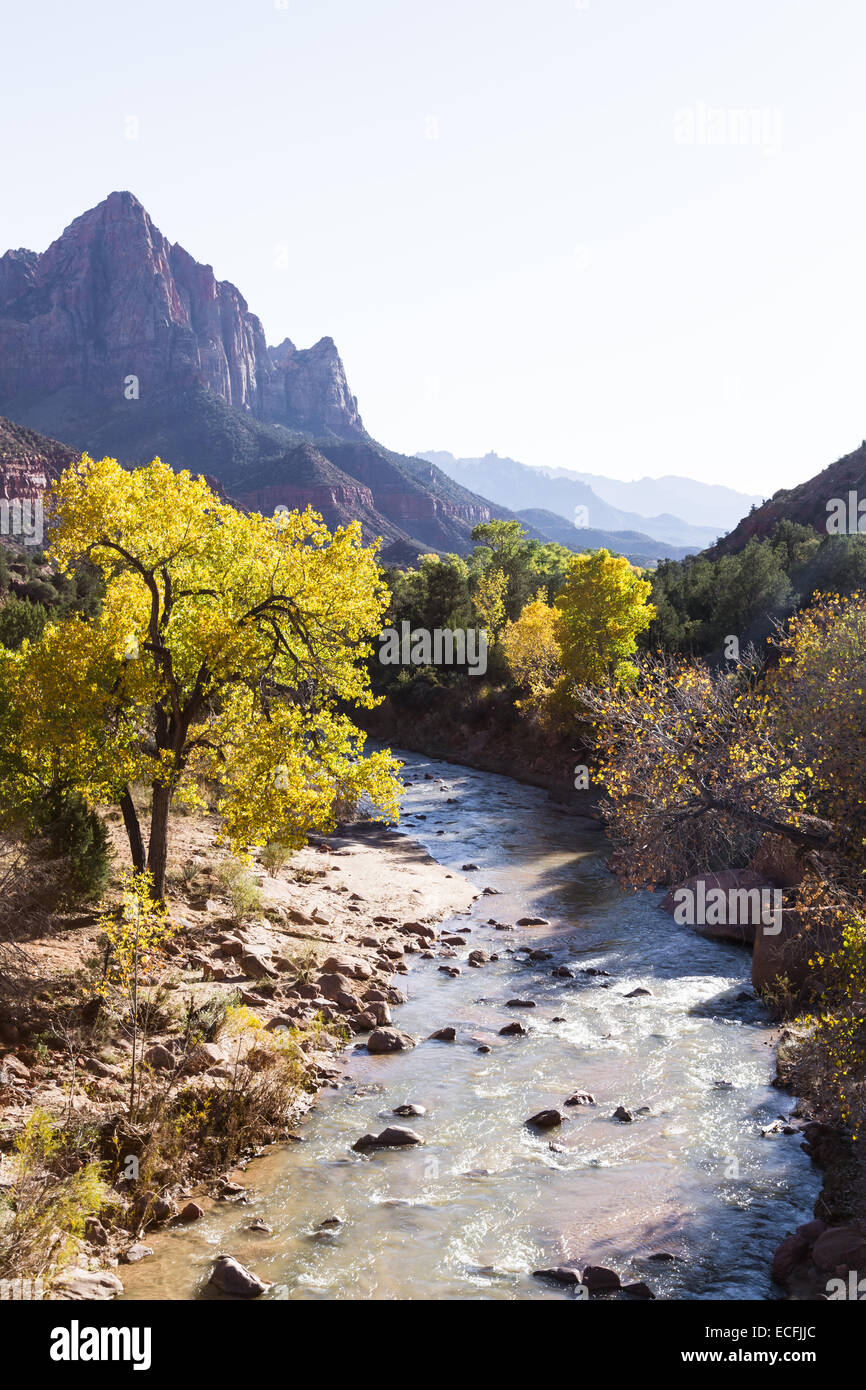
(486, 1200)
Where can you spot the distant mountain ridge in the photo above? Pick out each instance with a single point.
(116, 341)
(520, 486)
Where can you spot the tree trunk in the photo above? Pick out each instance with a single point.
(157, 853)
(133, 831)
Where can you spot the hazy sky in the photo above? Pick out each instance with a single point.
(625, 236)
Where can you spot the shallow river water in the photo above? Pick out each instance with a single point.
(486, 1201)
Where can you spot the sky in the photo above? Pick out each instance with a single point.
(620, 236)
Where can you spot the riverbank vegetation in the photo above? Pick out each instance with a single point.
(182, 694)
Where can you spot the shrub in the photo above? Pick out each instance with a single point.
(47, 1208)
(240, 888)
(275, 857)
(76, 831)
(21, 620)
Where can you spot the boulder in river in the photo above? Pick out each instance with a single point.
(532, 922)
(580, 1098)
(231, 1277)
(444, 1035)
(409, 1108)
(545, 1119)
(392, 1137)
(389, 1040)
(635, 993)
(620, 1113)
(560, 1275)
(136, 1252)
(600, 1280)
(520, 1004)
(513, 1030)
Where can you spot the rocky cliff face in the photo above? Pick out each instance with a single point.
(29, 462)
(113, 299)
(118, 342)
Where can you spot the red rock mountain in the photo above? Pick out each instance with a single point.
(118, 342)
(29, 462)
(113, 298)
(806, 504)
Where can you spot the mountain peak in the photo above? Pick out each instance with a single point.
(113, 301)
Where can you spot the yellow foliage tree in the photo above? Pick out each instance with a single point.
(489, 600)
(226, 650)
(602, 609)
(533, 652)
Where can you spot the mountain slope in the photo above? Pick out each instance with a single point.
(29, 462)
(805, 504)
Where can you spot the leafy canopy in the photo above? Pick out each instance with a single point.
(226, 649)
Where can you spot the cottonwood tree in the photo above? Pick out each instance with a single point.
(695, 770)
(227, 650)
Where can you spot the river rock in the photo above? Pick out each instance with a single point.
(580, 1098)
(392, 1137)
(640, 1290)
(532, 922)
(202, 1058)
(15, 1068)
(86, 1284)
(620, 1113)
(421, 929)
(160, 1058)
(545, 1119)
(469, 868)
(231, 946)
(389, 1040)
(635, 993)
(231, 1277)
(520, 1004)
(348, 965)
(256, 967)
(600, 1280)
(477, 958)
(191, 1212)
(513, 1030)
(788, 1255)
(409, 1108)
(790, 951)
(841, 1245)
(134, 1253)
(562, 972)
(444, 1035)
(331, 984)
(560, 1275)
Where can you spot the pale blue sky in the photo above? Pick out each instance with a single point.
(535, 226)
